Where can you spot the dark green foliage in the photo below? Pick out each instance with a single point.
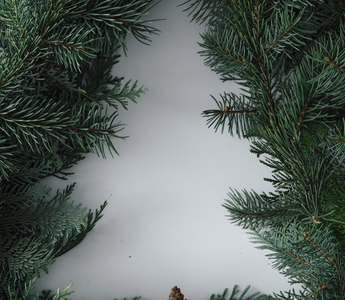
(333, 208)
(46, 296)
(238, 118)
(308, 136)
(60, 295)
(54, 71)
(298, 255)
(33, 246)
(16, 294)
(255, 296)
(295, 48)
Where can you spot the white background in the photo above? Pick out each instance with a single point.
(164, 224)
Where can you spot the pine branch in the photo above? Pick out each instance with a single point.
(260, 41)
(328, 257)
(49, 119)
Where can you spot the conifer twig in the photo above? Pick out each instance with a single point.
(318, 290)
(328, 257)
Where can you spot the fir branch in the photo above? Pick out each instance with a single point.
(234, 41)
(60, 295)
(255, 296)
(214, 9)
(33, 75)
(304, 110)
(270, 104)
(62, 246)
(332, 63)
(227, 111)
(318, 248)
(323, 286)
(288, 239)
(236, 59)
(233, 109)
(323, 252)
(36, 124)
(294, 256)
(259, 211)
(80, 80)
(124, 23)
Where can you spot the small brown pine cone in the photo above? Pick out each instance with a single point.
(176, 294)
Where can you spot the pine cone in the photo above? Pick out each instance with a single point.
(176, 294)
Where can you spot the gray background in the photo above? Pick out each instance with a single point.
(164, 224)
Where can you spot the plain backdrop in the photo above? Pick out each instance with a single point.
(164, 224)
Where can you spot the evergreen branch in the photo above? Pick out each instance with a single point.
(99, 77)
(58, 129)
(319, 289)
(36, 167)
(124, 23)
(227, 111)
(294, 256)
(15, 9)
(304, 111)
(30, 75)
(234, 110)
(255, 296)
(80, 80)
(50, 216)
(278, 39)
(52, 74)
(332, 63)
(75, 237)
(235, 42)
(338, 259)
(288, 239)
(226, 53)
(275, 152)
(130, 13)
(259, 211)
(14, 204)
(21, 258)
(323, 252)
(12, 72)
(66, 128)
(215, 8)
(65, 45)
(261, 66)
(28, 52)
(44, 70)
(85, 126)
(298, 164)
(236, 59)
(30, 285)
